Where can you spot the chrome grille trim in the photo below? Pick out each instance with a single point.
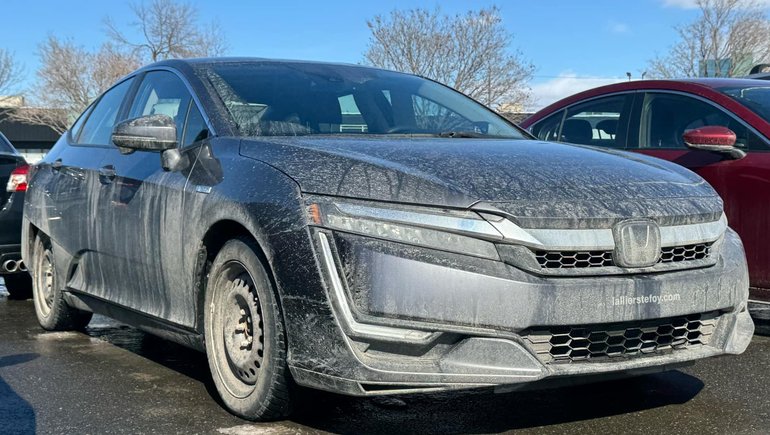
(603, 240)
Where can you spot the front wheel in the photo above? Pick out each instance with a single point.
(244, 334)
(51, 309)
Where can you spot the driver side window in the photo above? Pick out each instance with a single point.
(162, 92)
(666, 117)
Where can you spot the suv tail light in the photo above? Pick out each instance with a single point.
(18, 180)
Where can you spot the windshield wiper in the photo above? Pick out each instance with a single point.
(461, 134)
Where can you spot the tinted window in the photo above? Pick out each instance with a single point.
(5, 145)
(307, 99)
(98, 127)
(162, 92)
(665, 118)
(548, 128)
(195, 129)
(598, 122)
(755, 98)
(78, 125)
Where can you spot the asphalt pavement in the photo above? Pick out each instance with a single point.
(116, 379)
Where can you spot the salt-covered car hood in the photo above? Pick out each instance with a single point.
(527, 179)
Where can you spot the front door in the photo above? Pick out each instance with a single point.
(145, 212)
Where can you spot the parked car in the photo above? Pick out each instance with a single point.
(370, 232)
(718, 128)
(13, 175)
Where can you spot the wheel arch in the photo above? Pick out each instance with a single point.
(217, 235)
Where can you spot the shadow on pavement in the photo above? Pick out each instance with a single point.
(178, 358)
(450, 412)
(16, 414)
(486, 412)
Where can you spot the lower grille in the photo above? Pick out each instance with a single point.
(568, 344)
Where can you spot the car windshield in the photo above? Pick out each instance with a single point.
(756, 98)
(292, 99)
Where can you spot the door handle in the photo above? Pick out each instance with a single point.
(107, 174)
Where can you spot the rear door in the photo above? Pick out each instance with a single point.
(601, 122)
(71, 184)
(144, 209)
(660, 120)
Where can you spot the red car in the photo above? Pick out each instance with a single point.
(719, 128)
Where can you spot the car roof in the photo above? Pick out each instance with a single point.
(208, 61)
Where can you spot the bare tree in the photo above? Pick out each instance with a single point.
(726, 39)
(169, 29)
(10, 73)
(69, 79)
(469, 52)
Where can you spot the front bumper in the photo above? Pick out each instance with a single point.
(421, 320)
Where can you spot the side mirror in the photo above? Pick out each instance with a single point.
(146, 133)
(713, 138)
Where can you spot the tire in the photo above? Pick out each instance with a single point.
(51, 309)
(19, 285)
(244, 335)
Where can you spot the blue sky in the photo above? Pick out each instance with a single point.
(573, 44)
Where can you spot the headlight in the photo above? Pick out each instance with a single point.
(463, 232)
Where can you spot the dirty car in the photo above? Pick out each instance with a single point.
(370, 232)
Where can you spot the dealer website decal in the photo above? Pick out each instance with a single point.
(640, 300)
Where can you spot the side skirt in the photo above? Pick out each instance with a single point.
(150, 324)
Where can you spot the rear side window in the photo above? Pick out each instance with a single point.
(548, 129)
(162, 92)
(97, 129)
(78, 125)
(598, 122)
(666, 117)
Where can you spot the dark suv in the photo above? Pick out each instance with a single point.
(370, 232)
(13, 176)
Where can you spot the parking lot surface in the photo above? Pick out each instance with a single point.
(116, 379)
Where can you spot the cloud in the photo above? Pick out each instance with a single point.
(618, 27)
(566, 84)
(692, 4)
(683, 4)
